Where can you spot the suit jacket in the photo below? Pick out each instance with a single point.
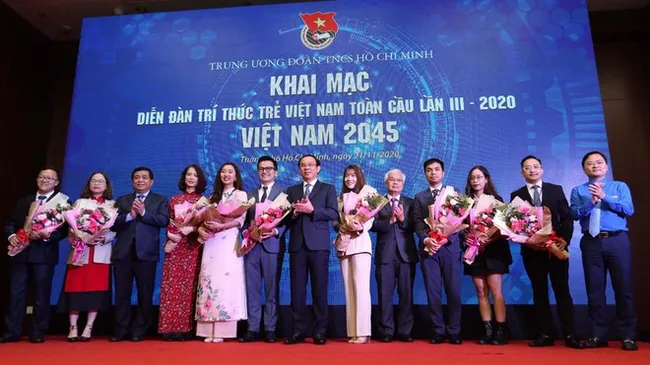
(360, 243)
(144, 230)
(420, 212)
(397, 237)
(274, 244)
(37, 252)
(552, 197)
(314, 228)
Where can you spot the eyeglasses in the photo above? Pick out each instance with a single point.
(47, 178)
(303, 165)
(476, 178)
(266, 169)
(530, 168)
(98, 182)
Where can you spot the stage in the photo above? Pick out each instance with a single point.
(56, 351)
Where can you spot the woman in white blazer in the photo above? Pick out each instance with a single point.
(354, 249)
(87, 281)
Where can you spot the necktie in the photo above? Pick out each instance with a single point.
(594, 220)
(42, 199)
(307, 190)
(141, 197)
(537, 200)
(394, 203)
(434, 193)
(264, 194)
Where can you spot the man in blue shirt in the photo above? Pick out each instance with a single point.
(602, 207)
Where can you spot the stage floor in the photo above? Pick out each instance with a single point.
(56, 351)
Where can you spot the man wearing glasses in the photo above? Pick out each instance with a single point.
(540, 265)
(315, 206)
(264, 261)
(35, 263)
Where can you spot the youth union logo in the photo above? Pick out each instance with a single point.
(319, 31)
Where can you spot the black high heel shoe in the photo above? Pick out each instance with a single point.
(73, 335)
(84, 338)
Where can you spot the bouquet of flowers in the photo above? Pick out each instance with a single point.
(268, 215)
(446, 216)
(528, 225)
(358, 208)
(186, 218)
(225, 212)
(46, 217)
(482, 229)
(88, 224)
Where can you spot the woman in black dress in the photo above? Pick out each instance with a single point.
(489, 266)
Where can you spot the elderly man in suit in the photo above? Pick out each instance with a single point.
(395, 259)
(540, 265)
(444, 265)
(263, 263)
(36, 262)
(315, 206)
(141, 216)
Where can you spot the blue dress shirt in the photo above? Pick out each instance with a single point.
(615, 207)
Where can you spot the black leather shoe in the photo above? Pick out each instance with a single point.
(571, 342)
(36, 339)
(594, 343)
(7, 339)
(629, 345)
(137, 338)
(404, 338)
(455, 339)
(269, 337)
(294, 339)
(386, 338)
(320, 339)
(436, 339)
(117, 338)
(250, 336)
(542, 341)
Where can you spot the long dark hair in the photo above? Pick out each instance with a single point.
(217, 188)
(108, 193)
(489, 186)
(200, 181)
(361, 180)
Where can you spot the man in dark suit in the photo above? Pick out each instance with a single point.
(540, 265)
(444, 265)
(395, 259)
(141, 215)
(315, 206)
(263, 263)
(35, 262)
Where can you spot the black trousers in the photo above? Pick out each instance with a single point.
(144, 273)
(540, 267)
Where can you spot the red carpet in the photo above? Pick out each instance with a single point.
(99, 351)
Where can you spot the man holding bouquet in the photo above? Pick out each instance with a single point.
(263, 262)
(141, 216)
(440, 262)
(315, 206)
(539, 264)
(35, 262)
(602, 207)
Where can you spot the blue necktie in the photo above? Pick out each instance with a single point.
(264, 196)
(594, 220)
(537, 199)
(307, 190)
(42, 199)
(141, 197)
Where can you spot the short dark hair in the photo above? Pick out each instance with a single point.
(108, 193)
(361, 180)
(433, 160)
(142, 168)
(58, 176)
(201, 183)
(528, 158)
(584, 159)
(309, 155)
(267, 158)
